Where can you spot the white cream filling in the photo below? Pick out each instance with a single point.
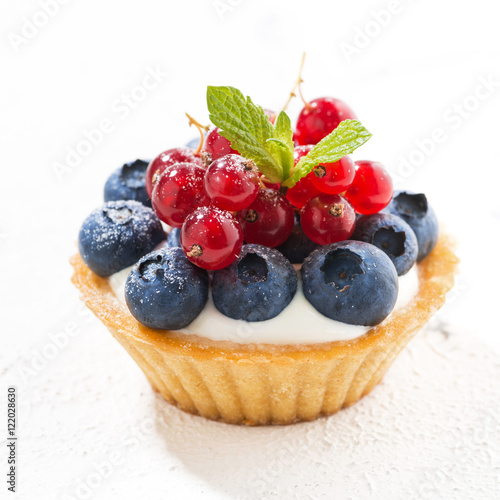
(298, 323)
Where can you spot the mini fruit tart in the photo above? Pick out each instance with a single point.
(264, 277)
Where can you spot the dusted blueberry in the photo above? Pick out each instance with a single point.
(351, 281)
(415, 210)
(128, 183)
(174, 238)
(392, 235)
(256, 286)
(117, 235)
(165, 291)
(298, 246)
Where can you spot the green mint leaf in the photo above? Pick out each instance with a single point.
(347, 137)
(279, 150)
(283, 135)
(247, 127)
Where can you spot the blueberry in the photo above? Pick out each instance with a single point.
(352, 281)
(298, 246)
(392, 235)
(128, 183)
(256, 286)
(117, 235)
(415, 210)
(165, 291)
(174, 238)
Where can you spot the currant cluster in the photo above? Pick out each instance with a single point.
(219, 199)
(217, 203)
(332, 193)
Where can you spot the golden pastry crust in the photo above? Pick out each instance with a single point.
(260, 384)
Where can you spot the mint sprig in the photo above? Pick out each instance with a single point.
(281, 144)
(347, 137)
(248, 129)
(271, 147)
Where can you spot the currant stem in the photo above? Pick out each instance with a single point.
(306, 104)
(201, 128)
(297, 85)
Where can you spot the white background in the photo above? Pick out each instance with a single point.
(90, 426)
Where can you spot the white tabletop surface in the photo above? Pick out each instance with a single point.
(89, 424)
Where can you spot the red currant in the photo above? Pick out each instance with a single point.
(371, 190)
(297, 139)
(217, 145)
(320, 117)
(334, 178)
(164, 160)
(300, 151)
(211, 238)
(328, 218)
(270, 185)
(178, 192)
(304, 190)
(232, 182)
(268, 220)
